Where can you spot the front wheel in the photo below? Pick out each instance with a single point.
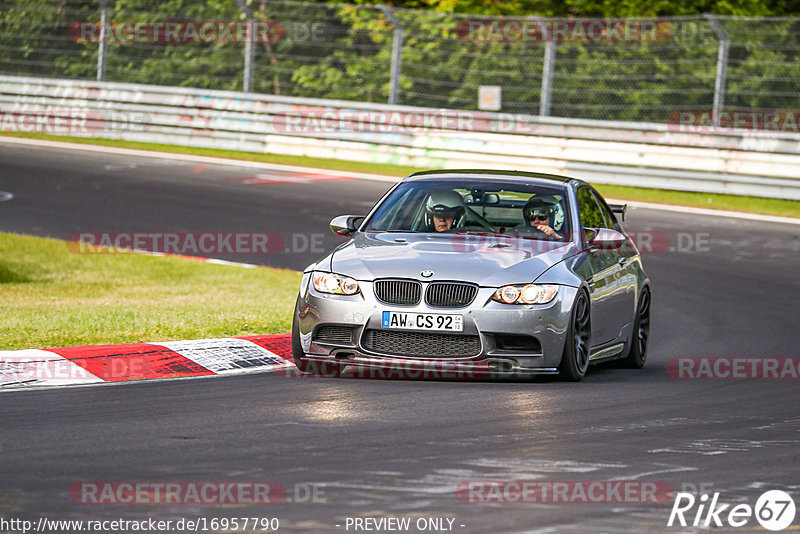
(637, 355)
(575, 360)
(302, 363)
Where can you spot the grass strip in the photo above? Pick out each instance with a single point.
(51, 297)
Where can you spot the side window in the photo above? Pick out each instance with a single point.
(589, 211)
(611, 221)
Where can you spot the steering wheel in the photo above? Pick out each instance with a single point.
(533, 232)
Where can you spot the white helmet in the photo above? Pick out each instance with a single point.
(445, 203)
(544, 205)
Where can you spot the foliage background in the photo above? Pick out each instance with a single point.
(343, 51)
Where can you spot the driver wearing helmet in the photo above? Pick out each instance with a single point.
(538, 213)
(443, 210)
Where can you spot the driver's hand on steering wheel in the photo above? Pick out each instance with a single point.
(548, 231)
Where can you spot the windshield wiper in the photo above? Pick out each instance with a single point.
(483, 232)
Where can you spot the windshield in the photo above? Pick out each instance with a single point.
(474, 206)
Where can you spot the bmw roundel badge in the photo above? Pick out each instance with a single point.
(426, 273)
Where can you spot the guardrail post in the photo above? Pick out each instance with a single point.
(547, 74)
(102, 46)
(249, 48)
(722, 67)
(397, 52)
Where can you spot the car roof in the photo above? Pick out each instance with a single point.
(494, 174)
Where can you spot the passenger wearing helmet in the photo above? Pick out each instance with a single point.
(444, 210)
(538, 213)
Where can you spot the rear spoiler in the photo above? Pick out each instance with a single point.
(619, 208)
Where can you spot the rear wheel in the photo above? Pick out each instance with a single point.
(637, 354)
(575, 360)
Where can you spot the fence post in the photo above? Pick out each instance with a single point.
(397, 52)
(547, 73)
(722, 67)
(249, 48)
(102, 47)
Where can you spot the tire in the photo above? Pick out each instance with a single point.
(637, 354)
(575, 359)
(302, 363)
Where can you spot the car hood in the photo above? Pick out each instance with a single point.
(488, 260)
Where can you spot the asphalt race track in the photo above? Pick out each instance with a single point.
(380, 448)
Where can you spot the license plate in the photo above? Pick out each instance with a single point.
(423, 321)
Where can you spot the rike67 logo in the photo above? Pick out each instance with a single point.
(774, 510)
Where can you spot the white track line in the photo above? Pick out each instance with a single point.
(357, 175)
(705, 211)
(193, 158)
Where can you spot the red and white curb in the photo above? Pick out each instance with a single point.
(98, 364)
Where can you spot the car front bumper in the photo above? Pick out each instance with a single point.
(492, 323)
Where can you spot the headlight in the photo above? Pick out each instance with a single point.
(335, 284)
(526, 294)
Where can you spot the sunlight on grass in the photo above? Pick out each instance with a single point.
(51, 297)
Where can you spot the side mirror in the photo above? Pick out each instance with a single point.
(344, 225)
(605, 238)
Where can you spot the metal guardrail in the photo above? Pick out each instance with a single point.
(635, 69)
(638, 154)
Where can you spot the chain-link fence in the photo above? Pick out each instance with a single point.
(632, 70)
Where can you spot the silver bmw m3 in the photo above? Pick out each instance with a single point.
(473, 273)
